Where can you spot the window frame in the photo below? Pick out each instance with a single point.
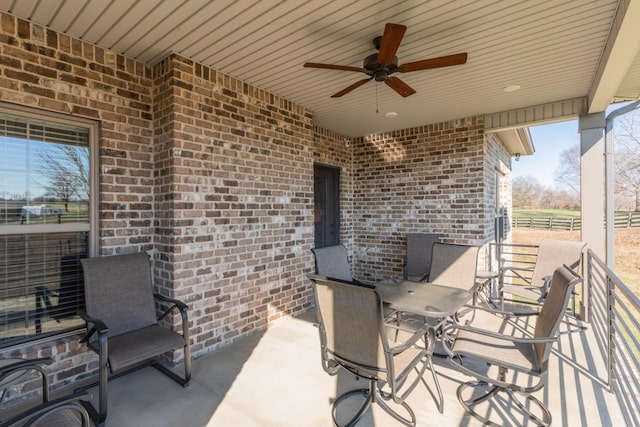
(92, 226)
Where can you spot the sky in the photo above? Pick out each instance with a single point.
(549, 142)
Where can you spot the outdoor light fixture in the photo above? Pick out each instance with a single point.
(511, 88)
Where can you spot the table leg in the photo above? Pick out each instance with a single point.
(430, 345)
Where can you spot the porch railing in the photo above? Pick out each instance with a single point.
(613, 313)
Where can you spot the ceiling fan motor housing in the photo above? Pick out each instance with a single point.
(378, 71)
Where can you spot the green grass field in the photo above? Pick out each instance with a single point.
(546, 213)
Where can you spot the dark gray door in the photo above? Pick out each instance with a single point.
(326, 191)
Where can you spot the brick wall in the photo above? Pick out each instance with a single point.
(435, 178)
(234, 170)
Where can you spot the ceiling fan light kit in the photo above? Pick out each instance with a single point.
(380, 66)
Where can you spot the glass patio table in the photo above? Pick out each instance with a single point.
(436, 303)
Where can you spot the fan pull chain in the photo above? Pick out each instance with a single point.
(376, 99)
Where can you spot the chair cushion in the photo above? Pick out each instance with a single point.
(126, 350)
(518, 356)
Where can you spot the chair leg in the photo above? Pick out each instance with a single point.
(546, 415)
(184, 382)
(363, 409)
(186, 352)
(187, 361)
(411, 421)
(99, 416)
(491, 391)
(187, 372)
(103, 393)
(372, 395)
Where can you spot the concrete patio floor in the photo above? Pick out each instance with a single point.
(275, 379)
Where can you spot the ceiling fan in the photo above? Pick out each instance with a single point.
(381, 65)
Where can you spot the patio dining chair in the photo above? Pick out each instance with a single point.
(355, 338)
(531, 292)
(451, 265)
(123, 328)
(66, 411)
(527, 357)
(454, 265)
(333, 262)
(418, 255)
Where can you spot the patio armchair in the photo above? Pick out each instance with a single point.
(551, 255)
(418, 256)
(122, 325)
(526, 356)
(355, 338)
(66, 411)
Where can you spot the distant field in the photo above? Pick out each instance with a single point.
(545, 213)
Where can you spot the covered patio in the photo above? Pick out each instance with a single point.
(203, 134)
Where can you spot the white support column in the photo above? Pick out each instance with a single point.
(592, 181)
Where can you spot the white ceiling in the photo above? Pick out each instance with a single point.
(554, 49)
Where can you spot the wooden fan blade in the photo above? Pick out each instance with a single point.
(391, 39)
(333, 67)
(399, 86)
(442, 61)
(350, 88)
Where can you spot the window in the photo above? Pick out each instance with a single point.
(47, 208)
